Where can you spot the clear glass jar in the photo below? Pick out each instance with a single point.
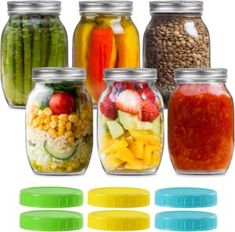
(105, 37)
(130, 122)
(59, 118)
(33, 37)
(176, 37)
(201, 122)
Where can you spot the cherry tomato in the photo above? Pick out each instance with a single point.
(62, 103)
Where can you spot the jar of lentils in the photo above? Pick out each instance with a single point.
(176, 37)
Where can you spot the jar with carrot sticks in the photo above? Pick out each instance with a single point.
(105, 37)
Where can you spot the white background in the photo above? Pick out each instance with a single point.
(15, 172)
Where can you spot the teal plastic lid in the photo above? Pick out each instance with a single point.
(186, 221)
(51, 220)
(51, 197)
(186, 197)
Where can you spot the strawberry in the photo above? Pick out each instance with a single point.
(129, 85)
(128, 101)
(108, 109)
(148, 111)
(147, 94)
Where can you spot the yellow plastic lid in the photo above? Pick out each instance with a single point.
(118, 220)
(119, 197)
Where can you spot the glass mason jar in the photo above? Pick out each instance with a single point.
(201, 122)
(130, 122)
(33, 37)
(105, 37)
(176, 37)
(59, 118)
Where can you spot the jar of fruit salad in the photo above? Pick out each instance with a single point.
(130, 122)
(59, 118)
(201, 122)
(105, 37)
(33, 37)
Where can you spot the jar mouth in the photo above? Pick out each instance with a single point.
(31, 7)
(200, 75)
(58, 74)
(122, 7)
(176, 7)
(135, 74)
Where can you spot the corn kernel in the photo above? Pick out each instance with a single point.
(40, 113)
(68, 134)
(69, 169)
(53, 166)
(47, 111)
(46, 127)
(53, 124)
(54, 118)
(46, 120)
(69, 126)
(77, 133)
(40, 127)
(62, 124)
(52, 132)
(63, 117)
(71, 140)
(35, 123)
(83, 114)
(61, 131)
(73, 118)
(35, 111)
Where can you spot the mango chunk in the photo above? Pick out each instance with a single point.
(116, 147)
(125, 155)
(112, 162)
(148, 151)
(136, 165)
(137, 148)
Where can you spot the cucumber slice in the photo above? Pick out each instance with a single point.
(58, 154)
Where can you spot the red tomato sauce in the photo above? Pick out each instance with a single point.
(201, 128)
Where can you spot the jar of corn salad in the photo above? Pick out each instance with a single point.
(59, 117)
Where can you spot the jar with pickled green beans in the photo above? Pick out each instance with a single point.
(59, 118)
(33, 37)
(105, 37)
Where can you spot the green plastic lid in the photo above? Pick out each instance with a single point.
(51, 220)
(51, 197)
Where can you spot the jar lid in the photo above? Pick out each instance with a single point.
(30, 7)
(58, 74)
(186, 197)
(200, 74)
(176, 7)
(51, 197)
(118, 220)
(105, 6)
(186, 221)
(119, 197)
(51, 220)
(134, 74)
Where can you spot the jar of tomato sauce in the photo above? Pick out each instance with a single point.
(201, 122)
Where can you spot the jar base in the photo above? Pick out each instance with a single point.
(59, 174)
(200, 172)
(16, 106)
(131, 173)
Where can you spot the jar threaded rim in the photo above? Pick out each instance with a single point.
(200, 75)
(31, 7)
